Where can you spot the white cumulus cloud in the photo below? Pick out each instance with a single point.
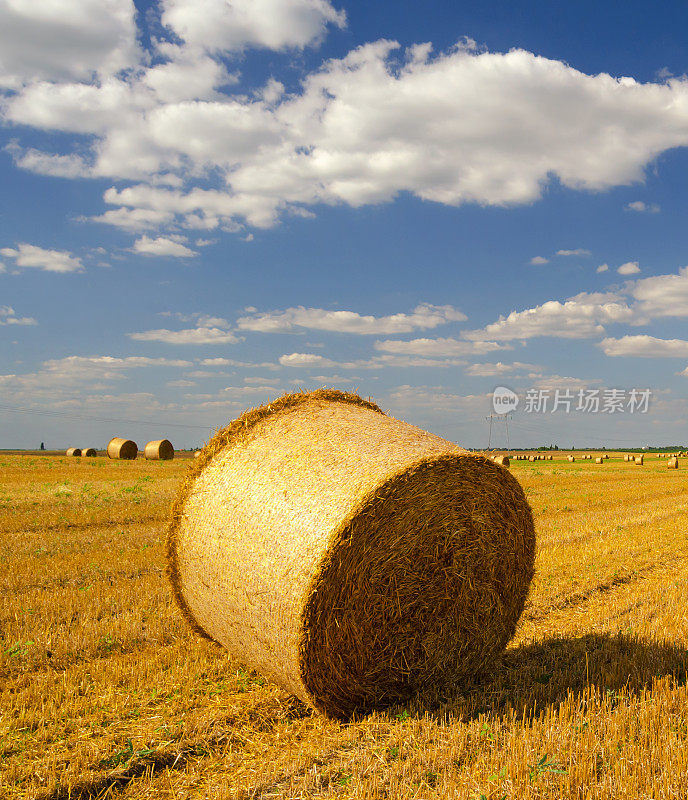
(461, 126)
(439, 347)
(293, 319)
(640, 206)
(163, 246)
(31, 256)
(219, 26)
(8, 316)
(579, 317)
(629, 268)
(645, 347)
(579, 251)
(45, 39)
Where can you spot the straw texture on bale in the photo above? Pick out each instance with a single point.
(122, 448)
(348, 556)
(159, 450)
(73, 451)
(88, 452)
(599, 460)
(672, 463)
(639, 460)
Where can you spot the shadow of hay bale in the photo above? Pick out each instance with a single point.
(542, 674)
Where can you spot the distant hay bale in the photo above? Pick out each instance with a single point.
(532, 458)
(571, 458)
(626, 457)
(159, 450)
(605, 456)
(639, 460)
(73, 451)
(599, 460)
(348, 556)
(122, 448)
(672, 463)
(88, 452)
(501, 460)
(550, 458)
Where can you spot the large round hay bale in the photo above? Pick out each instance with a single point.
(122, 448)
(73, 451)
(160, 450)
(348, 556)
(88, 452)
(672, 463)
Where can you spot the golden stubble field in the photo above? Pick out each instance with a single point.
(105, 692)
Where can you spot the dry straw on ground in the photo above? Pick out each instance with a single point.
(88, 452)
(159, 450)
(352, 558)
(122, 448)
(73, 451)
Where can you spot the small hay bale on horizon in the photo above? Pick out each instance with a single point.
(639, 460)
(571, 458)
(503, 461)
(599, 460)
(672, 463)
(73, 451)
(122, 448)
(159, 450)
(88, 452)
(352, 558)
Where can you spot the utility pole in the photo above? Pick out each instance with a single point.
(498, 418)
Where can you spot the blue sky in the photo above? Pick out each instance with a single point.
(204, 205)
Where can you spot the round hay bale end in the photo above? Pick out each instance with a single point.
(571, 458)
(160, 450)
(503, 461)
(599, 460)
(639, 460)
(88, 452)
(672, 463)
(352, 558)
(531, 458)
(73, 451)
(122, 448)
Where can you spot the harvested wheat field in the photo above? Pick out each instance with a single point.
(106, 691)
